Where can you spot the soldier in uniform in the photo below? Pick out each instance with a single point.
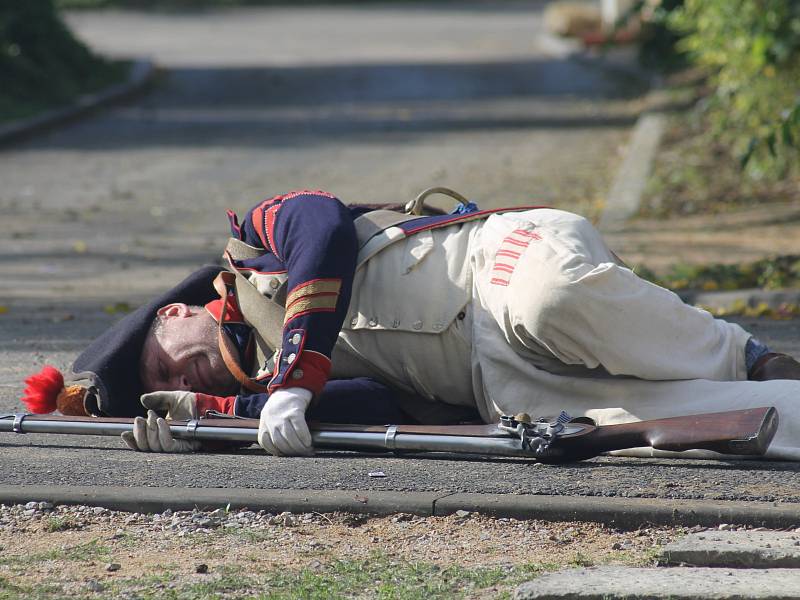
(378, 316)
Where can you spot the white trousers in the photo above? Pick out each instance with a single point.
(559, 325)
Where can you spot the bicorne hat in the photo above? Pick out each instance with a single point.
(105, 377)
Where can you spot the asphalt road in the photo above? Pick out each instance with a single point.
(373, 104)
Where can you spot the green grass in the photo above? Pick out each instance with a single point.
(92, 550)
(54, 524)
(379, 577)
(15, 591)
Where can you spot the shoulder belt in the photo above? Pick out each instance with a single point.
(375, 231)
(378, 229)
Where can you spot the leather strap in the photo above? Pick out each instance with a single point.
(372, 223)
(264, 314)
(222, 283)
(241, 251)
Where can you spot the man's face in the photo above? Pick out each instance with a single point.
(182, 353)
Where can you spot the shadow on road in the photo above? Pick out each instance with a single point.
(366, 84)
(297, 106)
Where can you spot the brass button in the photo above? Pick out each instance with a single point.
(396, 323)
(417, 325)
(373, 322)
(291, 357)
(297, 374)
(296, 339)
(274, 283)
(354, 321)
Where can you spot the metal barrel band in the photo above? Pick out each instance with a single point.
(191, 428)
(17, 426)
(391, 437)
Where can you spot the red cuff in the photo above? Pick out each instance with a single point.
(216, 403)
(310, 370)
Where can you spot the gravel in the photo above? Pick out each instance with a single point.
(22, 518)
(19, 517)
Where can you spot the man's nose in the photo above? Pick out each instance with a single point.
(181, 382)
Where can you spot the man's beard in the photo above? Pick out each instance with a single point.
(224, 383)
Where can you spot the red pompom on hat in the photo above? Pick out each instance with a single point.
(45, 393)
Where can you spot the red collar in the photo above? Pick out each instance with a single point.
(232, 315)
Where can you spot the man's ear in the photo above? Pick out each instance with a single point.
(176, 309)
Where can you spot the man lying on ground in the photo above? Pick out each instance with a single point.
(356, 315)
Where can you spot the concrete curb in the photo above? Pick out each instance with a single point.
(624, 513)
(152, 499)
(139, 77)
(625, 194)
(653, 583)
(626, 191)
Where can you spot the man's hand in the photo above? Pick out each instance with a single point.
(178, 405)
(282, 430)
(153, 435)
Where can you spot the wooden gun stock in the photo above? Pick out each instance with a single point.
(742, 432)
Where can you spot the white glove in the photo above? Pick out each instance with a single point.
(178, 405)
(153, 435)
(282, 430)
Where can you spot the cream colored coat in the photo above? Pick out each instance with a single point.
(530, 312)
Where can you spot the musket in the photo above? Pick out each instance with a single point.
(554, 440)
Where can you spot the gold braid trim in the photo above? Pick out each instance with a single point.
(320, 286)
(314, 303)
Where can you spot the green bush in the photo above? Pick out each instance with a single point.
(771, 273)
(752, 51)
(41, 63)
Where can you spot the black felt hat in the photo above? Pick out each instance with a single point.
(109, 367)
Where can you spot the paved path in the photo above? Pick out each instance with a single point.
(371, 103)
(374, 104)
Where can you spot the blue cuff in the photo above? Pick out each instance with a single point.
(753, 350)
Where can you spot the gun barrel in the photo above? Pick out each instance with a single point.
(739, 432)
(389, 438)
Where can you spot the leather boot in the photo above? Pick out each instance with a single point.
(774, 365)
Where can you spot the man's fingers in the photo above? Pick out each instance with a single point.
(303, 433)
(140, 434)
(130, 441)
(286, 440)
(165, 439)
(170, 444)
(283, 446)
(185, 445)
(176, 404)
(291, 440)
(265, 441)
(158, 401)
(152, 432)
